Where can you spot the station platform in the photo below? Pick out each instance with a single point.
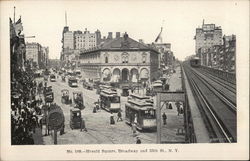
(200, 131)
(173, 131)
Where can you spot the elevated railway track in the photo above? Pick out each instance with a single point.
(217, 104)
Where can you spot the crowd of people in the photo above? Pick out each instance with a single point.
(24, 109)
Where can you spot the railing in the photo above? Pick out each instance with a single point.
(230, 77)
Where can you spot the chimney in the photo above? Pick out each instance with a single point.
(117, 35)
(125, 36)
(141, 41)
(110, 35)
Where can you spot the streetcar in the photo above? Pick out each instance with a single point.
(109, 100)
(195, 62)
(72, 82)
(140, 110)
(102, 87)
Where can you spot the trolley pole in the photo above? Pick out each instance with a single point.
(158, 117)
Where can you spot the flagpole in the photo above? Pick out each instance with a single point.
(14, 14)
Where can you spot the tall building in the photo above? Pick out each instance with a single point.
(33, 53)
(37, 55)
(206, 37)
(229, 53)
(86, 40)
(164, 49)
(45, 53)
(68, 40)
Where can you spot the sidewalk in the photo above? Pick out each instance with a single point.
(170, 132)
(38, 137)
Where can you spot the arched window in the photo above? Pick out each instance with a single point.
(124, 57)
(106, 60)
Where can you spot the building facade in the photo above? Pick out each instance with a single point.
(206, 37)
(120, 60)
(166, 55)
(68, 40)
(37, 55)
(222, 57)
(45, 56)
(86, 40)
(33, 53)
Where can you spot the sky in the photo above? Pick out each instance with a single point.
(140, 19)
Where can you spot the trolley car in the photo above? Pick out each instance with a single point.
(102, 87)
(110, 101)
(140, 110)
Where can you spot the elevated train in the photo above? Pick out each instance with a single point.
(195, 62)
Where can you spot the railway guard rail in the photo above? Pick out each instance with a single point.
(188, 122)
(227, 76)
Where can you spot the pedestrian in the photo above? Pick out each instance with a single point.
(119, 116)
(177, 104)
(170, 106)
(133, 128)
(138, 140)
(62, 130)
(181, 110)
(112, 120)
(136, 119)
(164, 117)
(83, 125)
(94, 109)
(167, 104)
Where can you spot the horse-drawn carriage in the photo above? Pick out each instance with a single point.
(78, 100)
(75, 118)
(65, 97)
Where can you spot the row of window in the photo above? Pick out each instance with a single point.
(83, 37)
(125, 59)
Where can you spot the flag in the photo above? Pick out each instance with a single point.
(18, 27)
(159, 36)
(12, 29)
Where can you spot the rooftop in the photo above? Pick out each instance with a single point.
(120, 43)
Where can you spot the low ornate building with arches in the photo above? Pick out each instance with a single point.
(121, 60)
